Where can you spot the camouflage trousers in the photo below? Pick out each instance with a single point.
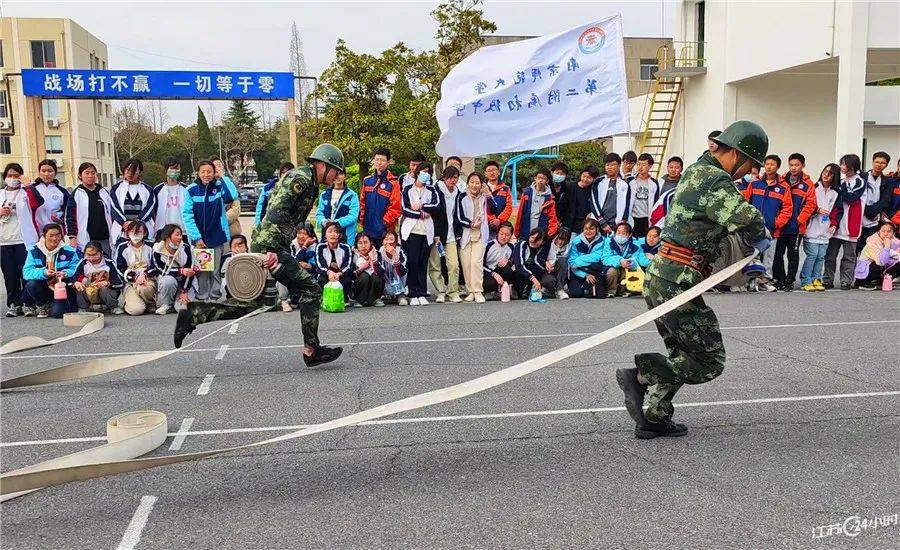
(298, 281)
(696, 352)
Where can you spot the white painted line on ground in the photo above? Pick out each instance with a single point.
(223, 349)
(204, 386)
(183, 432)
(233, 329)
(135, 529)
(458, 339)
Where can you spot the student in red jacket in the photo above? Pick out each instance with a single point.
(771, 195)
(379, 199)
(803, 205)
(502, 197)
(537, 208)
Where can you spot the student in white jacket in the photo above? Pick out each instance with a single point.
(170, 197)
(16, 202)
(819, 229)
(88, 215)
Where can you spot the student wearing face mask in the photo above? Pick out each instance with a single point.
(171, 196)
(97, 281)
(17, 235)
(88, 212)
(54, 196)
(619, 254)
(174, 263)
(420, 202)
(134, 260)
(49, 261)
(558, 181)
(132, 200)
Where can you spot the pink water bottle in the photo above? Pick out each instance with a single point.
(504, 293)
(887, 284)
(59, 291)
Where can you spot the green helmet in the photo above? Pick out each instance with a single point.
(329, 154)
(747, 138)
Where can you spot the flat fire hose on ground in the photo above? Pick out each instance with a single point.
(89, 323)
(36, 477)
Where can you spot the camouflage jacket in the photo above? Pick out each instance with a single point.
(706, 208)
(290, 202)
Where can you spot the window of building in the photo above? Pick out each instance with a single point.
(97, 146)
(4, 108)
(43, 54)
(53, 145)
(97, 109)
(649, 67)
(5, 145)
(51, 108)
(1, 53)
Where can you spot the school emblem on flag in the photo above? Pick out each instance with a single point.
(591, 40)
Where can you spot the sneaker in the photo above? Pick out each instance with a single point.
(817, 283)
(11, 312)
(163, 309)
(183, 326)
(379, 303)
(423, 301)
(286, 306)
(118, 311)
(562, 295)
(479, 298)
(666, 428)
(471, 297)
(441, 298)
(846, 286)
(413, 301)
(766, 287)
(354, 303)
(455, 298)
(402, 301)
(828, 285)
(43, 312)
(737, 289)
(634, 393)
(322, 355)
(28, 311)
(809, 287)
(867, 286)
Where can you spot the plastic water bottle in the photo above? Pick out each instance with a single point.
(440, 249)
(887, 284)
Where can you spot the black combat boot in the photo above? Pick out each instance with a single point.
(634, 393)
(184, 325)
(322, 355)
(666, 428)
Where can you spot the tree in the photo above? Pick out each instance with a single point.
(241, 114)
(298, 67)
(206, 147)
(189, 139)
(133, 133)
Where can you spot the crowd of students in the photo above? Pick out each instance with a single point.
(131, 248)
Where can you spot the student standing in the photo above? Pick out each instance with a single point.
(52, 207)
(629, 160)
(502, 195)
(132, 199)
(771, 195)
(472, 210)
(16, 205)
(537, 208)
(88, 212)
(803, 199)
(673, 174)
(443, 262)
(819, 228)
(848, 220)
(232, 209)
(878, 197)
(611, 196)
(409, 178)
(644, 190)
(339, 204)
(379, 199)
(577, 201)
(420, 202)
(170, 196)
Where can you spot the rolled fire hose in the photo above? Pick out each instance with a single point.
(89, 323)
(18, 481)
(246, 276)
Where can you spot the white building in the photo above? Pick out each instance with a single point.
(798, 68)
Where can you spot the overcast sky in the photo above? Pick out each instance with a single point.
(256, 35)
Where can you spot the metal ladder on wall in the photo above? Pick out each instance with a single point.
(663, 99)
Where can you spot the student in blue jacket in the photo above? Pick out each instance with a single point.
(206, 223)
(585, 269)
(339, 204)
(48, 262)
(619, 254)
(262, 203)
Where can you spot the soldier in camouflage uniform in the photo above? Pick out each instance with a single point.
(290, 203)
(706, 208)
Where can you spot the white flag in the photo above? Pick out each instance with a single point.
(536, 93)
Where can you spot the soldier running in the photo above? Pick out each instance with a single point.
(706, 208)
(291, 201)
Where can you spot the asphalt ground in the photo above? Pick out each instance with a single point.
(799, 432)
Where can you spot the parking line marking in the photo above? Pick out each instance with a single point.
(181, 434)
(223, 349)
(135, 529)
(233, 329)
(204, 386)
(423, 419)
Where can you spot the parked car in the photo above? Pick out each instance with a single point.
(249, 195)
